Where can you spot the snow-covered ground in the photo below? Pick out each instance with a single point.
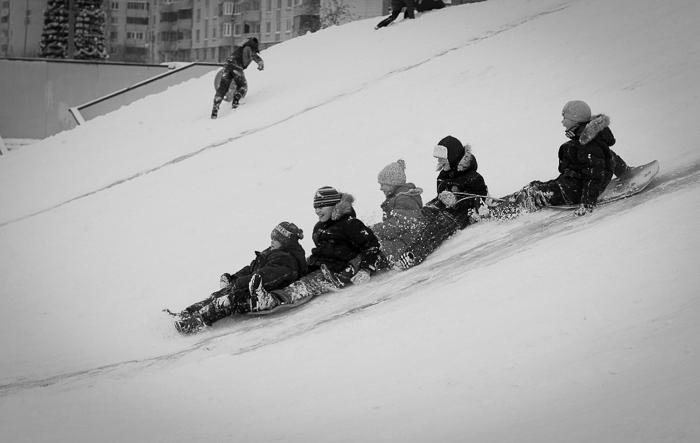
(547, 328)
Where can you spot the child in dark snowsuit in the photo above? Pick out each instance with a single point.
(402, 219)
(586, 166)
(396, 7)
(233, 71)
(346, 251)
(461, 192)
(275, 267)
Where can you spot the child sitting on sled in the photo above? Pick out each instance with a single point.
(586, 166)
(346, 252)
(275, 267)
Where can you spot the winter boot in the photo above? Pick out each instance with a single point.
(260, 299)
(215, 108)
(190, 323)
(236, 100)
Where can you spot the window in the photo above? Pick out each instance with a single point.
(114, 20)
(269, 5)
(197, 34)
(213, 32)
(199, 15)
(114, 35)
(206, 29)
(268, 27)
(115, 5)
(289, 25)
(136, 5)
(228, 8)
(137, 20)
(279, 4)
(289, 4)
(227, 29)
(237, 30)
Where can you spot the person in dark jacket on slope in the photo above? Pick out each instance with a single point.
(586, 166)
(233, 71)
(396, 7)
(346, 252)
(275, 267)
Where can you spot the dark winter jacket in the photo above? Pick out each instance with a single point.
(585, 161)
(343, 239)
(427, 5)
(462, 177)
(277, 267)
(242, 56)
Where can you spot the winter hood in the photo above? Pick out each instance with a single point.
(593, 128)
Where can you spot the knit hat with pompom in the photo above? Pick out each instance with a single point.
(393, 174)
(287, 233)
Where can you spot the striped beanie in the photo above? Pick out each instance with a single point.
(287, 233)
(326, 196)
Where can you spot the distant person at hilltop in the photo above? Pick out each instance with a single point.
(428, 5)
(233, 71)
(396, 7)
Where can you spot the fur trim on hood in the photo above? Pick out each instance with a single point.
(343, 207)
(593, 128)
(409, 189)
(468, 161)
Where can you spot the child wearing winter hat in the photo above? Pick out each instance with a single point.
(586, 166)
(345, 251)
(402, 219)
(275, 267)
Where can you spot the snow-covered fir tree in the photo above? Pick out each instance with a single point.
(88, 35)
(54, 38)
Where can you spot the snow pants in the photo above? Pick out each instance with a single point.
(315, 283)
(238, 78)
(396, 7)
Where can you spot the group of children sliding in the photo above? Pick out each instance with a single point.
(346, 251)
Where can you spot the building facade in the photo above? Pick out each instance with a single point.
(158, 31)
(21, 24)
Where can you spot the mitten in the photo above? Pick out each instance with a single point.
(261, 65)
(447, 198)
(405, 261)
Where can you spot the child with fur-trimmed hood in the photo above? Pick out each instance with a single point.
(461, 189)
(586, 164)
(346, 252)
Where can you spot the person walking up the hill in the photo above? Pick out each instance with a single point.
(586, 166)
(396, 7)
(275, 267)
(345, 252)
(233, 72)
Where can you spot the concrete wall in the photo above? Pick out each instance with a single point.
(36, 94)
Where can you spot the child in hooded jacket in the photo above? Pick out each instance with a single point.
(275, 267)
(586, 166)
(345, 252)
(402, 219)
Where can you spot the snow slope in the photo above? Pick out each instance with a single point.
(548, 328)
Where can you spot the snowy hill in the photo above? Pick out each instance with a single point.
(548, 328)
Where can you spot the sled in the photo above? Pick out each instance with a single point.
(634, 182)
